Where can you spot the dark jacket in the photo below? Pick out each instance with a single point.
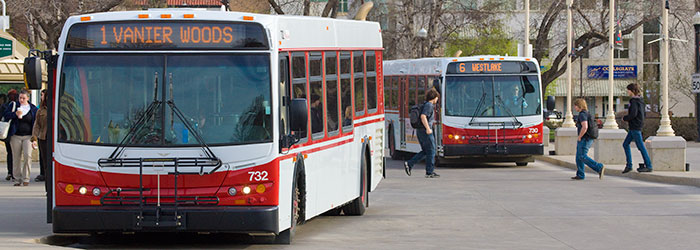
(9, 114)
(635, 114)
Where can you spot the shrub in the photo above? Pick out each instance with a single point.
(682, 126)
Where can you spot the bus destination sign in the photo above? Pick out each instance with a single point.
(493, 67)
(161, 35)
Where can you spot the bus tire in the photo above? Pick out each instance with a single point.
(286, 236)
(358, 206)
(392, 146)
(521, 163)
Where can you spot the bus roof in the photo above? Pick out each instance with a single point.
(438, 65)
(287, 32)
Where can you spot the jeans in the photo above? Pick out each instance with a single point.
(582, 158)
(635, 135)
(427, 145)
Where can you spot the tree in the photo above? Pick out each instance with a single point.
(591, 26)
(442, 20)
(489, 40)
(330, 9)
(44, 19)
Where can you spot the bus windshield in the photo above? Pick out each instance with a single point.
(492, 96)
(224, 97)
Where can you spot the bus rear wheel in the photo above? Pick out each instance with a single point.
(392, 146)
(358, 206)
(521, 163)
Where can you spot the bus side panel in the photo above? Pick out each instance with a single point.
(286, 175)
(331, 175)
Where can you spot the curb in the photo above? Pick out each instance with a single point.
(675, 180)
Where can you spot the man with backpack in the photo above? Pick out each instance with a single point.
(587, 132)
(421, 117)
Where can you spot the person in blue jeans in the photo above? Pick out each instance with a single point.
(425, 137)
(635, 119)
(584, 143)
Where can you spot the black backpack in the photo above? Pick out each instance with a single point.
(414, 115)
(592, 131)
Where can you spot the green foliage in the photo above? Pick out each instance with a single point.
(487, 40)
(6, 87)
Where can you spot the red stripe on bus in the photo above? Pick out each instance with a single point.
(369, 122)
(313, 150)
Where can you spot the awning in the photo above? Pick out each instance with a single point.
(591, 87)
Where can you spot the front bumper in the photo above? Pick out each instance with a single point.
(234, 219)
(485, 150)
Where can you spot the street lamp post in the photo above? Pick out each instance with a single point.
(569, 117)
(422, 34)
(610, 122)
(665, 127)
(696, 24)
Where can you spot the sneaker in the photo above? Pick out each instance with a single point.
(626, 170)
(39, 178)
(644, 170)
(576, 178)
(602, 172)
(407, 168)
(433, 175)
(9, 177)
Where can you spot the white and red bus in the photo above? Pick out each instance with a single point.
(204, 121)
(490, 107)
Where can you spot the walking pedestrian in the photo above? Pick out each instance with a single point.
(425, 137)
(22, 122)
(39, 134)
(11, 98)
(635, 119)
(584, 143)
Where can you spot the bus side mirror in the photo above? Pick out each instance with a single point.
(298, 117)
(32, 72)
(550, 103)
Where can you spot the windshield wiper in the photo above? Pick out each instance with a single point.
(478, 107)
(150, 111)
(205, 148)
(503, 105)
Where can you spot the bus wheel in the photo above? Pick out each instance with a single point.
(285, 237)
(521, 163)
(392, 146)
(357, 206)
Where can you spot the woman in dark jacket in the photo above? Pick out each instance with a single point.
(635, 119)
(11, 97)
(21, 125)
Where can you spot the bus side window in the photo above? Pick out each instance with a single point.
(359, 76)
(421, 90)
(331, 76)
(283, 91)
(299, 82)
(316, 88)
(395, 92)
(345, 91)
(387, 92)
(411, 91)
(371, 82)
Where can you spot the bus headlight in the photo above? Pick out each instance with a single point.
(246, 190)
(82, 190)
(529, 136)
(232, 191)
(96, 191)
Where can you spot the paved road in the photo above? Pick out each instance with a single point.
(470, 207)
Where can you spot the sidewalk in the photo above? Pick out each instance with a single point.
(690, 178)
